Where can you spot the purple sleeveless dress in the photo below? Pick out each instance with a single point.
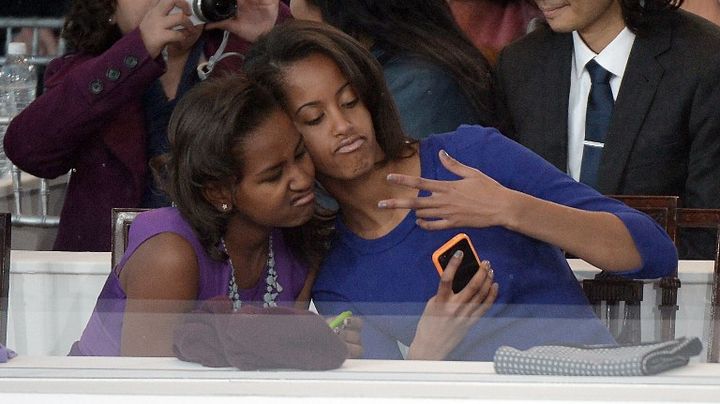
(102, 333)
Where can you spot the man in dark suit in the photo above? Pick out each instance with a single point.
(661, 131)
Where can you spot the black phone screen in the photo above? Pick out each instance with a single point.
(468, 267)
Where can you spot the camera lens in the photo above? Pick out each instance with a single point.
(216, 10)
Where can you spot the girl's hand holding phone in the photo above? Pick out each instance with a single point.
(448, 316)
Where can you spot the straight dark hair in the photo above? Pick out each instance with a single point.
(293, 41)
(421, 28)
(208, 131)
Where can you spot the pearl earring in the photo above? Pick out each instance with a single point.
(224, 207)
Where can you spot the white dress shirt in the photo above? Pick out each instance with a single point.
(613, 58)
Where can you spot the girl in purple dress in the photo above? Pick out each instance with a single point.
(242, 185)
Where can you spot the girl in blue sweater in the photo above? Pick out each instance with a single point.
(401, 199)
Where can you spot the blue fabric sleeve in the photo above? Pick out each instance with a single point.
(520, 169)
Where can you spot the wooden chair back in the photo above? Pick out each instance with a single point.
(5, 232)
(661, 208)
(122, 218)
(688, 218)
(616, 300)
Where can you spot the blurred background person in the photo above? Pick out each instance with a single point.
(35, 9)
(492, 24)
(708, 9)
(48, 38)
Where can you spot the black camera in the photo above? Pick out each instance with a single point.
(204, 11)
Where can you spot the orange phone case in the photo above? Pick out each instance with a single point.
(449, 245)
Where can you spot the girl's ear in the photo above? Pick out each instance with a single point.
(218, 195)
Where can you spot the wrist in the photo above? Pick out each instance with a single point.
(418, 354)
(421, 351)
(511, 217)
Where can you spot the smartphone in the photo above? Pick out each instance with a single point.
(470, 261)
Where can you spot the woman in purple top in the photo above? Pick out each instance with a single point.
(237, 172)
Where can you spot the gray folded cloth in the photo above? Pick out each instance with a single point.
(596, 360)
(6, 354)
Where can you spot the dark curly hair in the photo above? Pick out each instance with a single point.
(87, 28)
(208, 127)
(635, 12)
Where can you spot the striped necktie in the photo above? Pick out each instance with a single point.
(597, 122)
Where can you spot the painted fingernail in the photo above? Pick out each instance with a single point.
(458, 254)
(488, 268)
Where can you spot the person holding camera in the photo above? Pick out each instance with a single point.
(107, 103)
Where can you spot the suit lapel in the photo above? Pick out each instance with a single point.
(556, 95)
(640, 83)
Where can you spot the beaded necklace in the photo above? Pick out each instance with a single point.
(272, 286)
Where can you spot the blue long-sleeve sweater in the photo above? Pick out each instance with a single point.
(388, 280)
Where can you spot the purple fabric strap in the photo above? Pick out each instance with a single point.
(6, 354)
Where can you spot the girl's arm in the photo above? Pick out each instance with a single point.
(477, 200)
(161, 281)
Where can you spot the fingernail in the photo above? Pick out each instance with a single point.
(488, 268)
(390, 177)
(458, 254)
(443, 153)
(382, 204)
